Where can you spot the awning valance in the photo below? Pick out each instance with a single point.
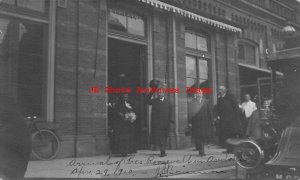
(188, 14)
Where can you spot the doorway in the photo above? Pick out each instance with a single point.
(127, 68)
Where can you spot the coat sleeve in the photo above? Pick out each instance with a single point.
(217, 108)
(170, 112)
(236, 110)
(149, 99)
(210, 120)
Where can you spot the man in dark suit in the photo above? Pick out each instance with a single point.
(228, 116)
(160, 119)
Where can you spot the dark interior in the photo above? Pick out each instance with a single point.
(126, 69)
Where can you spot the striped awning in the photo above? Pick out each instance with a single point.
(188, 14)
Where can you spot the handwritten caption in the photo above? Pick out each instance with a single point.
(152, 166)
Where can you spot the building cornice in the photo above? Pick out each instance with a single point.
(257, 17)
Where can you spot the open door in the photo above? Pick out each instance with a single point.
(127, 67)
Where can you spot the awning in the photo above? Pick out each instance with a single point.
(258, 69)
(188, 14)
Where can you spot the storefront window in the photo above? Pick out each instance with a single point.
(126, 22)
(23, 59)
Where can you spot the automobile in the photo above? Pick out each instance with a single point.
(276, 154)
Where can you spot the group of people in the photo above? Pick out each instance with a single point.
(123, 129)
(234, 120)
(228, 119)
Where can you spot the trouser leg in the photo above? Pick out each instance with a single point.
(162, 142)
(199, 146)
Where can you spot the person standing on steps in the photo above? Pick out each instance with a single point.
(200, 121)
(160, 117)
(227, 109)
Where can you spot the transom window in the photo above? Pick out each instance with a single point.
(196, 41)
(35, 5)
(128, 22)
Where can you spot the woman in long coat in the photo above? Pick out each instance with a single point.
(200, 118)
(124, 127)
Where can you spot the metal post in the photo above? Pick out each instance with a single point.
(175, 80)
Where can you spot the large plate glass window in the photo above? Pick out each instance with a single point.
(23, 57)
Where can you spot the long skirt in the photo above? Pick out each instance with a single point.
(123, 139)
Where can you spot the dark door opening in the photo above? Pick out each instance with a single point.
(127, 68)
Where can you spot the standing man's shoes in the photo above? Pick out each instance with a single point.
(201, 153)
(162, 155)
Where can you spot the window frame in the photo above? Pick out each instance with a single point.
(15, 9)
(200, 34)
(49, 18)
(244, 43)
(126, 35)
(198, 78)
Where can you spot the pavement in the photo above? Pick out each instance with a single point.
(144, 164)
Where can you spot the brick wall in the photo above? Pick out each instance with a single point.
(91, 114)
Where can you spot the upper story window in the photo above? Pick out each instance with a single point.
(128, 22)
(196, 41)
(247, 52)
(33, 5)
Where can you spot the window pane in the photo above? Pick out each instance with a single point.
(203, 83)
(117, 20)
(241, 51)
(126, 22)
(250, 54)
(6, 27)
(201, 43)
(203, 69)
(190, 82)
(190, 67)
(3, 29)
(11, 2)
(136, 25)
(190, 40)
(37, 5)
(30, 71)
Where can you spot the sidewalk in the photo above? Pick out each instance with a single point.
(144, 164)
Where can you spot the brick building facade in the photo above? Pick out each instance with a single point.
(74, 45)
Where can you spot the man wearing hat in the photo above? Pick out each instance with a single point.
(160, 116)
